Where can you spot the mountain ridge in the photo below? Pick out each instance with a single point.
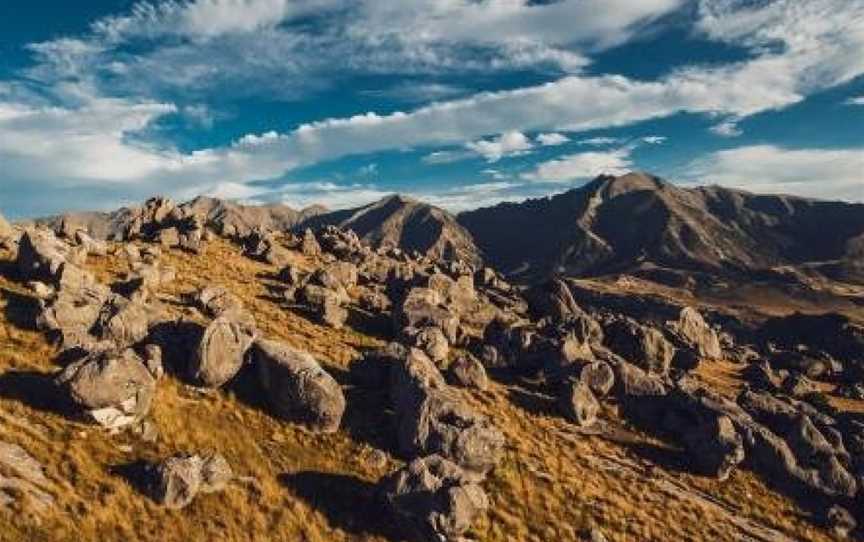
(625, 224)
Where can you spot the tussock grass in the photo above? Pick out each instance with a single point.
(554, 483)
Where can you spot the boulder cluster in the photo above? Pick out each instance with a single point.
(452, 324)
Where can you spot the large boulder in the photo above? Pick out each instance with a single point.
(432, 417)
(641, 345)
(220, 354)
(553, 300)
(217, 302)
(297, 387)
(124, 322)
(434, 499)
(631, 382)
(326, 304)
(309, 245)
(72, 313)
(715, 446)
(421, 308)
(467, 371)
(115, 389)
(42, 256)
(506, 342)
(149, 277)
(457, 294)
(430, 340)
(598, 376)
(697, 334)
(336, 275)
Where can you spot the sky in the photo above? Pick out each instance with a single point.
(461, 103)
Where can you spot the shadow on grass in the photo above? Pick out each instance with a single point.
(138, 474)
(377, 325)
(348, 503)
(534, 403)
(21, 310)
(666, 457)
(36, 390)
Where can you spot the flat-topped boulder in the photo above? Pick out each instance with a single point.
(115, 389)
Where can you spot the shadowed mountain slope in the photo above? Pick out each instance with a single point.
(406, 223)
(619, 224)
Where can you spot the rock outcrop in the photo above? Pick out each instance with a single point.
(434, 499)
(297, 387)
(114, 389)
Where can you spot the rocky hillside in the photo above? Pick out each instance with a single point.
(184, 381)
(226, 217)
(638, 221)
(404, 223)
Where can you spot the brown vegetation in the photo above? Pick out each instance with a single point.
(555, 483)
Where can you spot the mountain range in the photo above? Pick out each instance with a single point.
(634, 223)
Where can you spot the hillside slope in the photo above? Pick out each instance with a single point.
(637, 220)
(406, 223)
(555, 481)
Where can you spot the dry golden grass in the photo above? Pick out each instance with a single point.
(553, 484)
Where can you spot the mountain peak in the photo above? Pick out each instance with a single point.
(636, 181)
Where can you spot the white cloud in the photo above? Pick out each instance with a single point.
(463, 198)
(203, 18)
(654, 139)
(819, 173)
(512, 143)
(70, 133)
(552, 139)
(369, 170)
(599, 141)
(802, 46)
(418, 92)
(328, 194)
(727, 128)
(446, 157)
(584, 165)
(495, 174)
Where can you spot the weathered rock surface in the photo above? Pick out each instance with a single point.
(297, 387)
(176, 481)
(434, 499)
(432, 418)
(578, 404)
(22, 479)
(639, 344)
(220, 354)
(115, 389)
(697, 334)
(42, 256)
(467, 371)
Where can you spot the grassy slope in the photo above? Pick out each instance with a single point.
(552, 484)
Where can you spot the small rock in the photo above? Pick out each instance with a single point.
(468, 372)
(599, 377)
(840, 521)
(578, 404)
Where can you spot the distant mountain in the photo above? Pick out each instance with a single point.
(637, 221)
(406, 223)
(243, 218)
(221, 215)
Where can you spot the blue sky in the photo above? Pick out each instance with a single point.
(459, 102)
